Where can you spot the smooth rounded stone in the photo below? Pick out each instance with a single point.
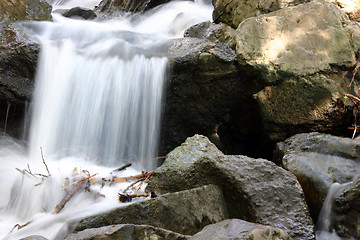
(233, 12)
(79, 12)
(346, 211)
(35, 10)
(185, 212)
(255, 190)
(236, 229)
(126, 232)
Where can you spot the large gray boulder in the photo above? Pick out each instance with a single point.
(319, 160)
(185, 212)
(36, 10)
(300, 52)
(236, 229)
(233, 12)
(126, 232)
(255, 190)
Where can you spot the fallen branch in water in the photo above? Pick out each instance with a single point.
(68, 196)
(18, 226)
(42, 157)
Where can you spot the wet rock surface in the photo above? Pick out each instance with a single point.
(346, 211)
(255, 190)
(319, 160)
(233, 12)
(185, 212)
(78, 12)
(37, 10)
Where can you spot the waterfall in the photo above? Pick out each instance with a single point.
(97, 104)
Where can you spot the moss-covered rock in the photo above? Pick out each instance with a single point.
(233, 12)
(14, 10)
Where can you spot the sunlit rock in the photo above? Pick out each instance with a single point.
(233, 12)
(303, 54)
(350, 7)
(300, 40)
(37, 10)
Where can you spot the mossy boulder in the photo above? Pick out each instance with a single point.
(35, 10)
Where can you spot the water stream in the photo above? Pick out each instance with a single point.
(96, 106)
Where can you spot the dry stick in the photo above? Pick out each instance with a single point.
(145, 179)
(143, 174)
(18, 226)
(42, 156)
(79, 181)
(356, 102)
(354, 72)
(134, 183)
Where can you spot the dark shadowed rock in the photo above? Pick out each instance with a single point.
(79, 13)
(205, 85)
(255, 190)
(18, 61)
(126, 232)
(346, 211)
(318, 161)
(235, 229)
(37, 10)
(185, 212)
(111, 6)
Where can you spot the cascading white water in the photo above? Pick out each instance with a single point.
(97, 105)
(324, 229)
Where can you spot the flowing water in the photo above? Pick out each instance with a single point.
(324, 224)
(96, 106)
